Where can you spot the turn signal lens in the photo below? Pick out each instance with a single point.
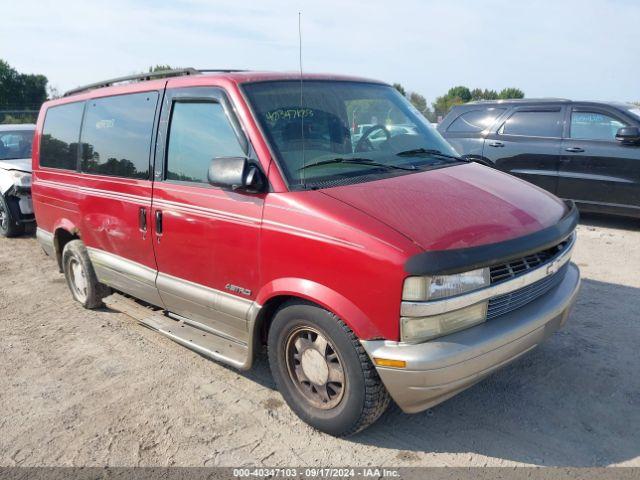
(387, 362)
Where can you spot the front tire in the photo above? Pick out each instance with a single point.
(9, 226)
(322, 371)
(80, 276)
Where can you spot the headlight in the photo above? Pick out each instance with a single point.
(420, 289)
(416, 329)
(21, 179)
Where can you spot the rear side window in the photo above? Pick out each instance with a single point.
(475, 120)
(116, 135)
(534, 124)
(594, 126)
(199, 132)
(59, 142)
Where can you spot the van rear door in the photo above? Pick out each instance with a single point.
(205, 238)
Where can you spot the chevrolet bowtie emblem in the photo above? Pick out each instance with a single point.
(553, 267)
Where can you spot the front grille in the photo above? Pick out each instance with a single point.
(511, 301)
(519, 298)
(507, 271)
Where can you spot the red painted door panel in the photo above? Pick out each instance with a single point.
(207, 249)
(111, 217)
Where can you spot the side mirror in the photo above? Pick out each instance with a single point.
(236, 173)
(628, 135)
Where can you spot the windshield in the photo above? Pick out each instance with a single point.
(15, 144)
(344, 132)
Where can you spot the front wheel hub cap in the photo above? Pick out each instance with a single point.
(315, 368)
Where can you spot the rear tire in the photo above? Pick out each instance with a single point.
(9, 226)
(322, 370)
(80, 276)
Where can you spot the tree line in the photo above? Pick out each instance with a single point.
(455, 96)
(21, 94)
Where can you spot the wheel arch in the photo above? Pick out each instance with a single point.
(63, 232)
(276, 293)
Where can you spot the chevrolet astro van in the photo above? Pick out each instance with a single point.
(232, 210)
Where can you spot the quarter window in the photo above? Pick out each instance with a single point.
(534, 124)
(475, 120)
(594, 126)
(199, 133)
(59, 143)
(116, 135)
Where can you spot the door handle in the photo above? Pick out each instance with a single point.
(574, 149)
(496, 144)
(158, 222)
(142, 219)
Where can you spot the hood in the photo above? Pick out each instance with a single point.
(22, 164)
(455, 207)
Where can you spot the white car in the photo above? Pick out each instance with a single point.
(16, 209)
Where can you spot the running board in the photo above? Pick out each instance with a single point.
(182, 331)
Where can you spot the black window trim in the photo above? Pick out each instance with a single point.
(196, 94)
(160, 93)
(44, 122)
(589, 109)
(558, 108)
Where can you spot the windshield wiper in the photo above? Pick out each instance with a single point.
(358, 161)
(427, 151)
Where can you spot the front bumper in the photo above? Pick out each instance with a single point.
(438, 369)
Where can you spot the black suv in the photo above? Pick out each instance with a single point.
(585, 151)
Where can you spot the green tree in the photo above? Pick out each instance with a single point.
(461, 92)
(53, 92)
(509, 93)
(400, 88)
(420, 103)
(476, 94)
(20, 91)
(479, 94)
(455, 96)
(160, 68)
(491, 95)
(443, 104)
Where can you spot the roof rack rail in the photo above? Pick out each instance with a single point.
(142, 77)
(220, 70)
(523, 100)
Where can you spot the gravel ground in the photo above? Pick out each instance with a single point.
(83, 388)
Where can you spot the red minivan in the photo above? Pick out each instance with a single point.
(321, 216)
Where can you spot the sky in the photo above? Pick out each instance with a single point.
(587, 50)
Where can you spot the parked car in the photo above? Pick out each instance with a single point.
(585, 151)
(16, 210)
(239, 217)
(379, 135)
